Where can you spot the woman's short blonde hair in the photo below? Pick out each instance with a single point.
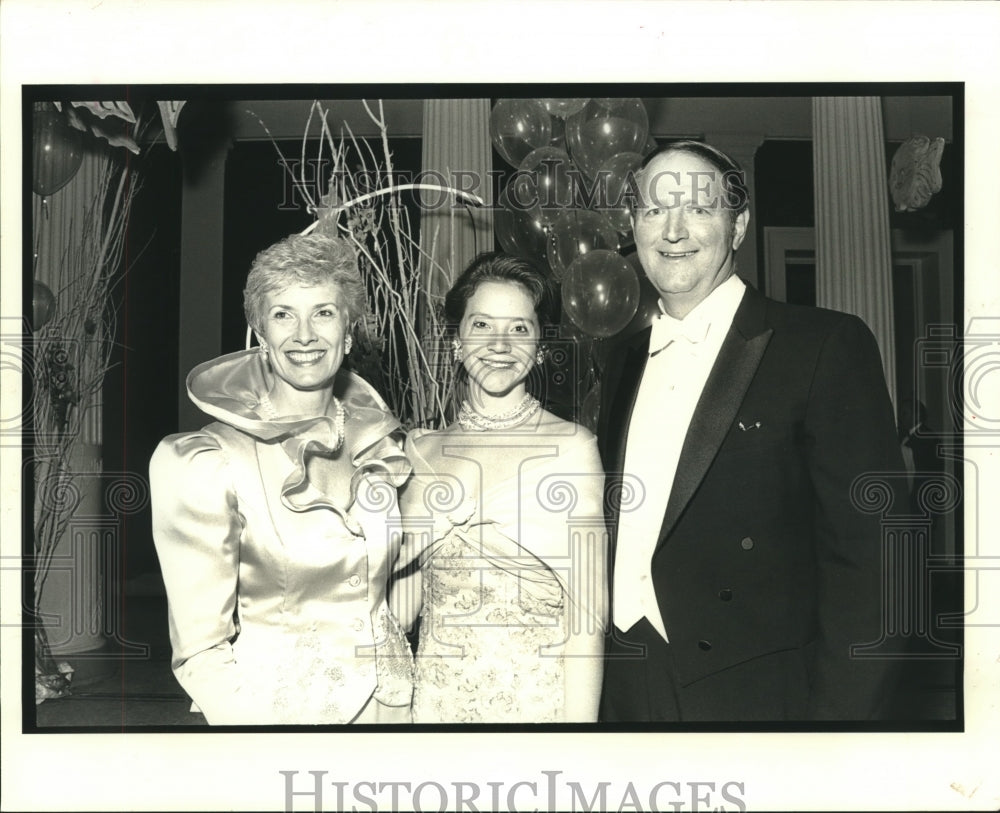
(309, 260)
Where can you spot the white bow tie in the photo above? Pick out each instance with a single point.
(666, 329)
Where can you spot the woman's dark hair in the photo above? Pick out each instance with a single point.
(732, 177)
(500, 267)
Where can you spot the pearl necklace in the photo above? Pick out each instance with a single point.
(472, 421)
(269, 413)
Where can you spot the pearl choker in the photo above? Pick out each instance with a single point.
(269, 413)
(472, 421)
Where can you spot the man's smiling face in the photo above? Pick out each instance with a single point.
(685, 234)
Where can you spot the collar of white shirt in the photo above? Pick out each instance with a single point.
(718, 308)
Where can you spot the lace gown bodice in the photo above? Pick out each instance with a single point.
(497, 598)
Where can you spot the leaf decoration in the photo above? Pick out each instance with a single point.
(102, 110)
(170, 112)
(112, 121)
(915, 175)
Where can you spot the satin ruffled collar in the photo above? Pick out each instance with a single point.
(229, 389)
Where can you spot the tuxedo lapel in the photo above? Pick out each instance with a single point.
(624, 389)
(622, 382)
(717, 407)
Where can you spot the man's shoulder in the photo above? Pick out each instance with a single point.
(802, 334)
(807, 319)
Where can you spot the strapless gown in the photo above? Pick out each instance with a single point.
(498, 604)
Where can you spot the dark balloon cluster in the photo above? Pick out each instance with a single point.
(567, 205)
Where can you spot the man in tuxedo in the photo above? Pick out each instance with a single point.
(733, 432)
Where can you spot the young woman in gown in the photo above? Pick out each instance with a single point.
(504, 551)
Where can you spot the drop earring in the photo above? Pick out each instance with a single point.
(456, 349)
(348, 344)
(263, 352)
(539, 356)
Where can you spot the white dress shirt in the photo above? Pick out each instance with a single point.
(681, 355)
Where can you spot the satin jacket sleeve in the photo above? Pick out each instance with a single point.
(196, 530)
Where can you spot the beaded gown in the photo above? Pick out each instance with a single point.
(507, 574)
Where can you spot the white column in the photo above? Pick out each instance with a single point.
(456, 147)
(853, 254)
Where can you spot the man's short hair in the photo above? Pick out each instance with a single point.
(732, 178)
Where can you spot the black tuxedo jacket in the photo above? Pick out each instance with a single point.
(768, 566)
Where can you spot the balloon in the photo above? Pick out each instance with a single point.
(521, 194)
(649, 301)
(606, 127)
(650, 147)
(561, 108)
(57, 151)
(576, 232)
(600, 292)
(569, 332)
(518, 226)
(553, 179)
(518, 126)
(616, 180)
(558, 139)
(43, 305)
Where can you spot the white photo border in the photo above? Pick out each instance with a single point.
(127, 42)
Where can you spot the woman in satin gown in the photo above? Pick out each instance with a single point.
(504, 552)
(276, 526)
